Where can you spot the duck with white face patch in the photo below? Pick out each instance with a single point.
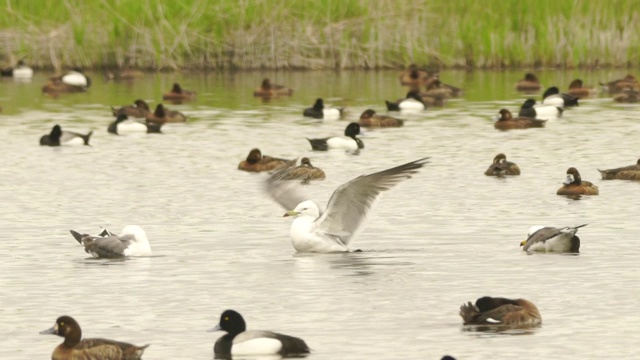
(574, 185)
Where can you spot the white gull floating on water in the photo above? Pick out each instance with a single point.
(132, 241)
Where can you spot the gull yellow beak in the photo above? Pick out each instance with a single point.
(291, 213)
(523, 242)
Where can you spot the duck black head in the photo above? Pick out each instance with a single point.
(528, 104)
(232, 322)
(159, 112)
(551, 91)
(318, 105)
(352, 130)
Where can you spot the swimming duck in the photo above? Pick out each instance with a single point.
(545, 112)
(267, 90)
(59, 137)
(123, 125)
(369, 118)
(256, 162)
(529, 83)
(318, 111)
(55, 87)
(437, 88)
(500, 311)
(242, 342)
(132, 241)
(576, 88)
(348, 142)
(414, 76)
(553, 97)
(631, 172)
(74, 78)
(616, 86)
(334, 229)
(75, 348)
(305, 172)
(627, 95)
(178, 94)
(551, 239)
(502, 167)
(574, 185)
(139, 109)
(506, 121)
(413, 101)
(163, 115)
(20, 71)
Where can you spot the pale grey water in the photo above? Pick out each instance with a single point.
(447, 236)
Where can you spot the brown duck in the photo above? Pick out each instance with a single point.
(74, 348)
(502, 167)
(500, 311)
(139, 109)
(506, 121)
(305, 172)
(574, 185)
(267, 89)
(529, 83)
(178, 94)
(631, 172)
(576, 88)
(369, 118)
(256, 162)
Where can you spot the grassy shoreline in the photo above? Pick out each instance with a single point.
(323, 34)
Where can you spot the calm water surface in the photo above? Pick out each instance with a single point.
(447, 236)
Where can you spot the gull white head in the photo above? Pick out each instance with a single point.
(140, 246)
(305, 208)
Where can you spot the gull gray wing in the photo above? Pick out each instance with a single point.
(285, 192)
(349, 204)
(107, 247)
(541, 235)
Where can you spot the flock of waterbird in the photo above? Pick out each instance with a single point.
(335, 227)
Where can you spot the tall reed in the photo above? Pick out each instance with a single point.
(320, 34)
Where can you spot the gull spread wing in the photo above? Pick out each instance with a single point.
(349, 204)
(285, 192)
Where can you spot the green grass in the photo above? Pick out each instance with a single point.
(320, 34)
